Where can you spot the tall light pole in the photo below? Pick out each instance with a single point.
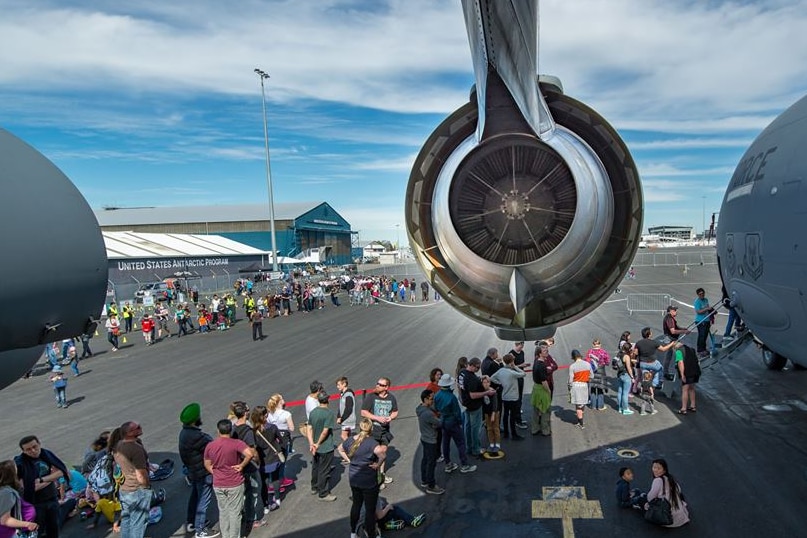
(703, 221)
(263, 76)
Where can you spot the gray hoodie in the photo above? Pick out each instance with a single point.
(428, 423)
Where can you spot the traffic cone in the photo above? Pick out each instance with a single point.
(124, 339)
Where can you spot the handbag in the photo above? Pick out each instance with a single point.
(659, 512)
(279, 453)
(17, 513)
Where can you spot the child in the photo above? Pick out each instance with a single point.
(647, 395)
(222, 321)
(490, 410)
(203, 323)
(147, 326)
(59, 386)
(625, 496)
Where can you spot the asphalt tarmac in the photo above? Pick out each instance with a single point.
(740, 459)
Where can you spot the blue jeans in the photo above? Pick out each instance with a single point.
(622, 391)
(473, 431)
(597, 398)
(654, 367)
(61, 397)
(199, 501)
(454, 431)
(51, 355)
(134, 516)
(734, 319)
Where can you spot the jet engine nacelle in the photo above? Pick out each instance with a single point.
(763, 263)
(53, 268)
(520, 234)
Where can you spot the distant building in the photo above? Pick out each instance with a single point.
(299, 227)
(373, 251)
(684, 233)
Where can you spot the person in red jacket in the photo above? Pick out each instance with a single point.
(147, 324)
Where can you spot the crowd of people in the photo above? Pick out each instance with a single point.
(243, 467)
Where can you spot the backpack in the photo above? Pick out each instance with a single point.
(100, 478)
(692, 366)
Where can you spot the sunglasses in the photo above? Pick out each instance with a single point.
(382, 385)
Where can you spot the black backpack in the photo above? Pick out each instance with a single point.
(692, 366)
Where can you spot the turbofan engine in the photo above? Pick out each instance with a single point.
(524, 207)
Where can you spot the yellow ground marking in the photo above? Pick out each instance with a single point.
(566, 503)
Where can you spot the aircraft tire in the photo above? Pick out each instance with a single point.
(772, 360)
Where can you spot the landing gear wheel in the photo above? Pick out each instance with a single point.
(772, 360)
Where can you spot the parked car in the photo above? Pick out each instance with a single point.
(158, 290)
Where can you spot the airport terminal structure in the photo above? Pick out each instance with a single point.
(300, 227)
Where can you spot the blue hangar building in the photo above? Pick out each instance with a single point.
(300, 227)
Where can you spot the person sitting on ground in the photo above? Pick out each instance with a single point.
(626, 496)
(666, 487)
(392, 517)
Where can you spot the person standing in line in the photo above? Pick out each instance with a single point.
(673, 332)
(346, 418)
(135, 492)
(253, 512)
(162, 321)
(446, 404)
(429, 424)
(382, 408)
(225, 459)
(541, 398)
(518, 359)
(507, 378)
(599, 360)
(192, 444)
(646, 350)
(322, 445)
(412, 290)
(473, 393)
(39, 471)
(579, 376)
(542, 349)
(703, 317)
(424, 292)
(624, 376)
(365, 457)
(686, 360)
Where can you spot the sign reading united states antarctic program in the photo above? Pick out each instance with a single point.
(171, 263)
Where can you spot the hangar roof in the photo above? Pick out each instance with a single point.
(211, 213)
(147, 245)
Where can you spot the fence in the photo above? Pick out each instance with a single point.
(656, 259)
(648, 302)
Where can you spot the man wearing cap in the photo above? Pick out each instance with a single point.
(429, 424)
(448, 407)
(473, 393)
(673, 332)
(192, 443)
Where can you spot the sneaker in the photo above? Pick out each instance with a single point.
(424, 485)
(441, 459)
(207, 533)
(286, 482)
(643, 414)
(627, 412)
(329, 498)
(274, 505)
(314, 492)
(418, 520)
(394, 525)
(189, 527)
(468, 468)
(388, 480)
(654, 411)
(436, 490)
(521, 425)
(581, 426)
(451, 467)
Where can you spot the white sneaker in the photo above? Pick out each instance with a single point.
(468, 468)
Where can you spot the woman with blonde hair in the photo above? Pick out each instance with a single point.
(277, 415)
(365, 456)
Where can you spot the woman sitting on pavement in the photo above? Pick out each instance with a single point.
(664, 486)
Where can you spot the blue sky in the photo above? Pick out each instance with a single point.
(156, 103)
